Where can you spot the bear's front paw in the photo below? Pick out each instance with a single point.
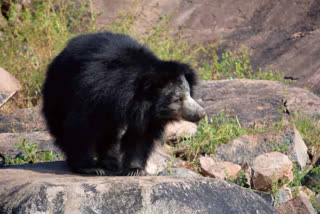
(137, 172)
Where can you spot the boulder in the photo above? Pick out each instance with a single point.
(50, 188)
(270, 168)
(255, 102)
(221, 170)
(244, 149)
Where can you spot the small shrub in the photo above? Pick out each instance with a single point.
(212, 133)
(35, 35)
(30, 153)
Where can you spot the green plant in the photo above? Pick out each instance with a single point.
(212, 133)
(30, 153)
(242, 180)
(35, 35)
(309, 129)
(236, 65)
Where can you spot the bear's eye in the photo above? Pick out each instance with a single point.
(179, 99)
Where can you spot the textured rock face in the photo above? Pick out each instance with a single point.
(221, 170)
(271, 167)
(298, 205)
(246, 148)
(288, 42)
(8, 84)
(24, 120)
(40, 191)
(255, 102)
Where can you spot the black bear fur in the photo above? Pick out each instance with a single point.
(105, 100)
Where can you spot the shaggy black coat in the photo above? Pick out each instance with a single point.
(105, 89)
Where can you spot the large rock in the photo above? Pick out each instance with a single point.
(50, 188)
(8, 84)
(255, 102)
(244, 149)
(221, 170)
(270, 168)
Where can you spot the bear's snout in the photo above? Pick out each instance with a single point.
(192, 111)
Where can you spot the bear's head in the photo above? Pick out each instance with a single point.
(170, 87)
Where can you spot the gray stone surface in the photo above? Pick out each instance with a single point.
(179, 172)
(49, 188)
(23, 120)
(244, 149)
(255, 102)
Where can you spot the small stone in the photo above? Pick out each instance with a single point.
(221, 170)
(179, 172)
(158, 160)
(283, 195)
(269, 168)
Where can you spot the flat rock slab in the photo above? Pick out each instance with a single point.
(23, 120)
(255, 101)
(49, 188)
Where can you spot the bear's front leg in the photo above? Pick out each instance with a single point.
(136, 149)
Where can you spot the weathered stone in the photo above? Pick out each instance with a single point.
(246, 148)
(7, 82)
(269, 168)
(159, 160)
(283, 195)
(221, 170)
(179, 172)
(255, 102)
(266, 196)
(301, 100)
(8, 85)
(180, 129)
(23, 120)
(50, 188)
(247, 172)
(298, 205)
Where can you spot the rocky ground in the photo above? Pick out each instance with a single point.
(258, 161)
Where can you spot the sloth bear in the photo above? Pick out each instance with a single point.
(106, 99)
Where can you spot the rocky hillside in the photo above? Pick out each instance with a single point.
(284, 35)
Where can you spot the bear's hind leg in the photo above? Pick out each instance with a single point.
(80, 152)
